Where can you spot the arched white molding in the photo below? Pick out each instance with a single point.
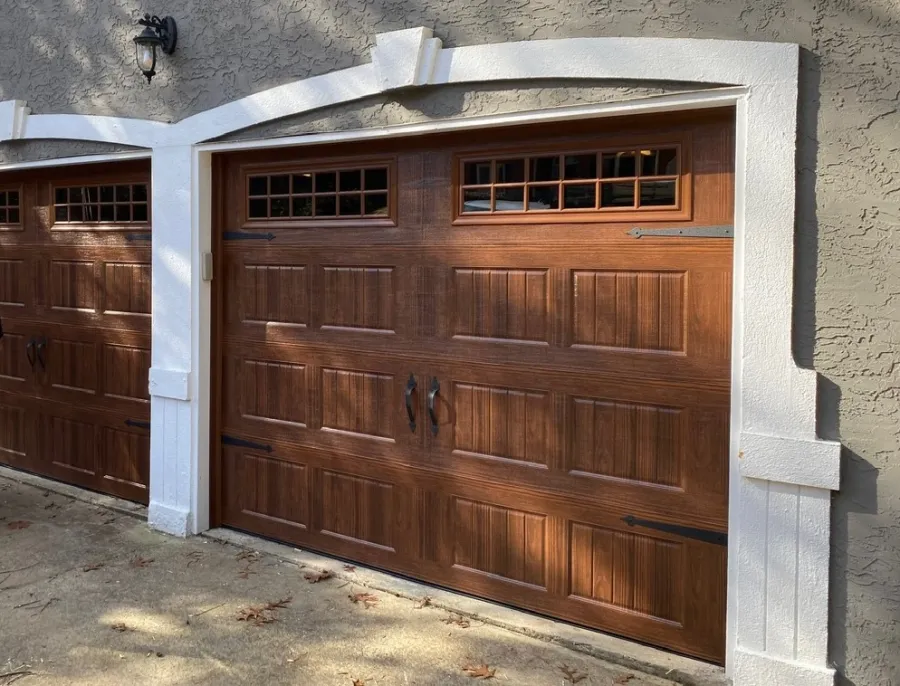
(781, 473)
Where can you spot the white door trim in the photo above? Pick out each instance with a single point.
(781, 473)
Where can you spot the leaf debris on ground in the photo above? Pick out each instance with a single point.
(571, 674)
(367, 599)
(263, 614)
(120, 627)
(349, 568)
(18, 524)
(11, 677)
(91, 567)
(458, 620)
(623, 678)
(481, 671)
(423, 602)
(316, 577)
(140, 561)
(194, 556)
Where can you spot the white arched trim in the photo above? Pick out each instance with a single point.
(781, 475)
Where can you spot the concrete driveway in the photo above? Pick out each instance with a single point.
(92, 596)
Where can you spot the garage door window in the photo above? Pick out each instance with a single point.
(106, 204)
(355, 193)
(623, 179)
(9, 207)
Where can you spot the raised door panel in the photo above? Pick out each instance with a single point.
(125, 461)
(16, 431)
(17, 283)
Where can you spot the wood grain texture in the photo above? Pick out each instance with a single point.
(84, 292)
(584, 377)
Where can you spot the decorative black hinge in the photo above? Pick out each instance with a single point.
(138, 424)
(242, 443)
(686, 232)
(247, 236)
(705, 535)
(139, 236)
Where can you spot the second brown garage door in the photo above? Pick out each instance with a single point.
(452, 358)
(75, 311)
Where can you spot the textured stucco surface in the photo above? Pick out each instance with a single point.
(34, 151)
(448, 102)
(75, 56)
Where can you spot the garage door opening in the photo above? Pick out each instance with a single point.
(498, 362)
(75, 312)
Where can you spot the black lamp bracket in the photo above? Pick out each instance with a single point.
(165, 29)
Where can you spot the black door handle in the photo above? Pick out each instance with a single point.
(42, 344)
(432, 394)
(29, 352)
(410, 412)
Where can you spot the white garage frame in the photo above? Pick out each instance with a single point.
(782, 475)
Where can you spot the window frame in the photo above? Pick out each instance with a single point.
(313, 166)
(19, 225)
(681, 211)
(100, 226)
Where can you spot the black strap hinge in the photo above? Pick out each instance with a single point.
(247, 236)
(243, 443)
(685, 232)
(139, 236)
(138, 424)
(705, 535)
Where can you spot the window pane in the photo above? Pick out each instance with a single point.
(13, 216)
(76, 213)
(659, 162)
(280, 185)
(92, 193)
(580, 196)
(62, 213)
(139, 192)
(581, 166)
(303, 183)
(259, 208)
(350, 205)
(510, 171)
(123, 213)
(107, 213)
(545, 169)
(351, 180)
(476, 173)
(62, 197)
(617, 194)
(376, 179)
(3, 219)
(509, 199)
(377, 204)
(657, 193)
(618, 164)
(123, 193)
(12, 198)
(302, 207)
(279, 207)
(139, 213)
(259, 185)
(543, 198)
(75, 195)
(326, 182)
(3, 199)
(477, 200)
(326, 205)
(107, 194)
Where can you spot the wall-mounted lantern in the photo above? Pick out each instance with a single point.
(157, 33)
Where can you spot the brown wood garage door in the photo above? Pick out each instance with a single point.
(75, 311)
(575, 459)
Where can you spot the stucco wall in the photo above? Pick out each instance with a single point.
(33, 151)
(76, 56)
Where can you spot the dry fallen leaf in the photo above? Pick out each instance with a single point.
(316, 577)
(349, 568)
(366, 599)
(120, 626)
(265, 614)
(91, 567)
(423, 602)
(458, 620)
(18, 524)
(359, 682)
(139, 561)
(571, 674)
(481, 671)
(623, 678)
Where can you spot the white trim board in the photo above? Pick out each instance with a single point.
(81, 159)
(781, 473)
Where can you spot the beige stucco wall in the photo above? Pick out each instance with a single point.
(76, 56)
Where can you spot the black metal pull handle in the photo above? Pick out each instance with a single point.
(410, 412)
(41, 346)
(29, 352)
(432, 394)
